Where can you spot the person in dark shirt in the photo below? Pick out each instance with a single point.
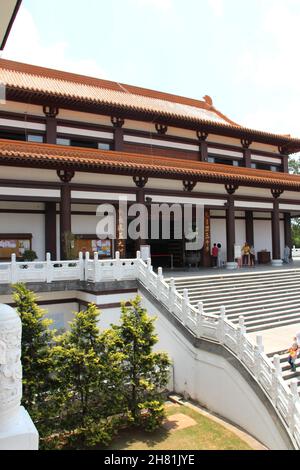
(214, 255)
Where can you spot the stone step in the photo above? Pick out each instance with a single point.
(236, 293)
(241, 289)
(263, 274)
(265, 317)
(253, 297)
(268, 326)
(207, 282)
(281, 305)
(259, 320)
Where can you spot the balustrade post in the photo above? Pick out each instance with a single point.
(159, 281)
(118, 267)
(293, 400)
(199, 320)
(185, 306)
(241, 331)
(96, 267)
(14, 274)
(81, 266)
(259, 349)
(221, 325)
(138, 255)
(276, 375)
(172, 290)
(86, 265)
(49, 268)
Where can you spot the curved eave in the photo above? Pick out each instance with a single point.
(288, 145)
(44, 156)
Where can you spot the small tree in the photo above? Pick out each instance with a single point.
(36, 341)
(86, 373)
(145, 373)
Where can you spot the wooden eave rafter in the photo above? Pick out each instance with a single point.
(288, 145)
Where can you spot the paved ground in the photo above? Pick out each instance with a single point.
(277, 339)
(191, 272)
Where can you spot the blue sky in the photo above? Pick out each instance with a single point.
(243, 53)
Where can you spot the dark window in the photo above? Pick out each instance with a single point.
(13, 135)
(223, 161)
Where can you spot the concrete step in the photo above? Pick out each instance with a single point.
(247, 299)
(268, 326)
(225, 276)
(245, 288)
(253, 308)
(208, 282)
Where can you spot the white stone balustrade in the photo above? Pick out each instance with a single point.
(212, 327)
(17, 431)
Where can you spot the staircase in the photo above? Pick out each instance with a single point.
(287, 374)
(266, 299)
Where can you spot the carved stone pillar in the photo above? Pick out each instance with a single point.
(17, 431)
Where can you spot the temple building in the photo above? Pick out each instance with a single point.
(69, 143)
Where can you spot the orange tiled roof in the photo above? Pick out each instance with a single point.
(55, 156)
(82, 88)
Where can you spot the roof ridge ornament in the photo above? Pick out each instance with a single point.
(208, 100)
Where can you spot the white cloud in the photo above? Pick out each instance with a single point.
(217, 6)
(25, 45)
(271, 70)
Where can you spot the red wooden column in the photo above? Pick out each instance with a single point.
(51, 113)
(118, 124)
(65, 211)
(249, 228)
(247, 152)
(285, 159)
(276, 256)
(140, 182)
(203, 147)
(50, 229)
(230, 225)
(288, 231)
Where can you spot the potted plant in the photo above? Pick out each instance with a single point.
(29, 255)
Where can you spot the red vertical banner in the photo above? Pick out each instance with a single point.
(207, 239)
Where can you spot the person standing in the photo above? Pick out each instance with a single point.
(246, 254)
(287, 253)
(252, 256)
(214, 254)
(219, 246)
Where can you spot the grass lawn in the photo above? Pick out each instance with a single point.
(205, 434)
